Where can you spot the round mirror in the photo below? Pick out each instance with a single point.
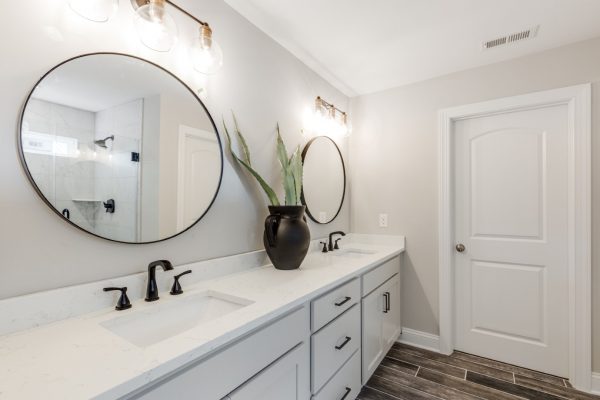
(324, 180)
(121, 148)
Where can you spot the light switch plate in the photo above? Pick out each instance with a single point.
(383, 220)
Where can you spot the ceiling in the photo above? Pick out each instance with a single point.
(366, 46)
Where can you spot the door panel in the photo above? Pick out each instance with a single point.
(522, 316)
(511, 283)
(506, 161)
(196, 187)
(372, 332)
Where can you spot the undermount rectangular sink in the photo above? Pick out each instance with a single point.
(162, 321)
(352, 252)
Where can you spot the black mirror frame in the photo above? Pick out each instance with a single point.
(56, 211)
(304, 152)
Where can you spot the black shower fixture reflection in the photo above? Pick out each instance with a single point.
(102, 143)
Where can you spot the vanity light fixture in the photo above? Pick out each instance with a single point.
(158, 31)
(330, 120)
(157, 28)
(95, 10)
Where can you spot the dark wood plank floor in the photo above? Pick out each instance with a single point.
(409, 373)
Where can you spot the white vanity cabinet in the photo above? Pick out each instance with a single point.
(325, 350)
(381, 324)
(287, 378)
(272, 361)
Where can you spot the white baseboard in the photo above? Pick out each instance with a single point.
(596, 382)
(420, 339)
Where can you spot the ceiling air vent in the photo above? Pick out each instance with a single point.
(512, 38)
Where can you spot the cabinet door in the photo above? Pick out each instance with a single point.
(286, 379)
(391, 319)
(373, 307)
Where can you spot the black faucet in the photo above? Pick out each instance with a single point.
(331, 247)
(152, 290)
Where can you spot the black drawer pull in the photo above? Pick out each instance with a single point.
(348, 390)
(341, 346)
(389, 307)
(386, 302)
(341, 303)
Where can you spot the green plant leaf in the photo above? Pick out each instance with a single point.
(297, 171)
(272, 196)
(289, 187)
(281, 151)
(242, 140)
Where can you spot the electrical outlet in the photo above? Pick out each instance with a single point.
(383, 220)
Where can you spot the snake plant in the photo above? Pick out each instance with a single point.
(291, 167)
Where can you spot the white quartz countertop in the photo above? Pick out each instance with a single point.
(77, 358)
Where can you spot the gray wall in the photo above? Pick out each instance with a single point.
(394, 152)
(260, 81)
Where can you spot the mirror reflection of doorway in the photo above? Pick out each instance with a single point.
(196, 156)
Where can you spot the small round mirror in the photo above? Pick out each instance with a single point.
(324, 181)
(120, 148)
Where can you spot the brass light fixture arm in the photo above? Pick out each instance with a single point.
(329, 106)
(138, 3)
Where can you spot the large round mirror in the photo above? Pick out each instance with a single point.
(121, 148)
(324, 180)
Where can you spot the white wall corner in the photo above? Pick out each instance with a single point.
(596, 382)
(422, 340)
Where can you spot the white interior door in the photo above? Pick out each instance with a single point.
(511, 215)
(196, 183)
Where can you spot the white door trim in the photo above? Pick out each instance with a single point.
(578, 100)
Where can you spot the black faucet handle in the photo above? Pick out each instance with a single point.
(337, 246)
(176, 288)
(123, 303)
(324, 247)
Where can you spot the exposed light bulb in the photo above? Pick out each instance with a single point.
(95, 10)
(156, 28)
(207, 56)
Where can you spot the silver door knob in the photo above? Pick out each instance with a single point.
(460, 247)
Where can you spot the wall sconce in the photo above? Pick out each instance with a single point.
(157, 28)
(328, 120)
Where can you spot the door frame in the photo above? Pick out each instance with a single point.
(186, 131)
(578, 100)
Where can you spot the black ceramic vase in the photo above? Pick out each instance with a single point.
(287, 236)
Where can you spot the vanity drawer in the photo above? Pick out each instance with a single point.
(379, 275)
(327, 307)
(345, 383)
(333, 345)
